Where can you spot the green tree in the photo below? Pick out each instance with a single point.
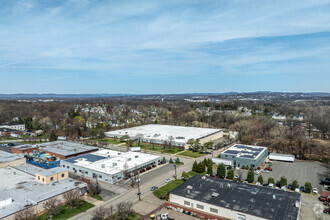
(28, 121)
(250, 175)
(260, 179)
(124, 138)
(230, 174)
(209, 145)
(201, 167)
(210, 168)
(171, 161)
(177, 160)
(196, 146)
(195, 167)
(283, 181)
(295, 185)
(243, 167)
(308, 187)
(185, 175)
(221, 171)
(52, 137)
(191, 142)
(271, 180)
(164, 160)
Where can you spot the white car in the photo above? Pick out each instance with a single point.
(168, 180)
(257, 172)
(236, 176)
(266, 171)
(315, 190)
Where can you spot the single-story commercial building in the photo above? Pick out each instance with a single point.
(160, 134)
(218, 198)
(281, 157)
(8, 159)
(65, 149)
(19, 127)
(24, 149)
(108, 165)
(20, 190)
(245, 155)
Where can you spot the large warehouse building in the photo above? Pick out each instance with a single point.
(159, 134)
(108, 165)
(245, 155)
(215, 198)
(20, 190)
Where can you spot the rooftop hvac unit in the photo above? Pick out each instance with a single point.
(136, 156)
(215, 194)
(102, 165)
(189, 187)
(114, 164)
(128, 159)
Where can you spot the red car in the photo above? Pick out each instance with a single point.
(326, 203)
(326, 211)
(269, 168)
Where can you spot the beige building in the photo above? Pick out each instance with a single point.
(8, 159)
(51, 175)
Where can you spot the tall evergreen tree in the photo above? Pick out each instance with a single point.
(260, 179)
(210, 169)
(195, 167)
(221, 171)
(250, 175)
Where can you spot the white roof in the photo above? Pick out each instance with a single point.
(114, 161)
(181, 134)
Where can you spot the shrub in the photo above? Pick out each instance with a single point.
(295, 185)
(195, 167)
(171, 160)
(210, 169)
(177, 160)
(271, 180)
(230, 174)
(308, 187)
(221, 171)
(164, 160)
(283, 181)
(260, 179)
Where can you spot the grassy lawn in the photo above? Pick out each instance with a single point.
(192, 173)
(98, 197)
(158, 148)
(189, 153)
(111, 140)
(167, 188)
(134, 216)
(67, 212)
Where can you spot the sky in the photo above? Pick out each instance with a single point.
(157, 46)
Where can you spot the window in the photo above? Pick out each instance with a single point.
(62, 175)
(67, 167)
(100, 176)
(38, 177)
(43, 179)
(86, 172)
(186, 203)
(63, 165)
(52, 179)
(213, 210)
(199, 206)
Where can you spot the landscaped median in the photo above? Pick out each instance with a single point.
(163, 191)
(66, 212)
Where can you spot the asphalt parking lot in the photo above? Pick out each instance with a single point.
(302, 171)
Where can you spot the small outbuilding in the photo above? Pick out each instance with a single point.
(281, 157)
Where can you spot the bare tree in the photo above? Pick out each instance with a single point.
(52, 207)
(92, 188)
(123, 210)
(103, 213)
(26, 214)
(72, 198)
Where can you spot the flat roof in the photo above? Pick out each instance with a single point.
(181, 134)
(112, 162)
(65, 148)
(24, 189)
(255, 200)
(52, 171)
(245, 151)
(28, 168)
(25, 146)
(282, 155)
(8, 157)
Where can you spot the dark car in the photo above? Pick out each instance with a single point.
(11, 144)
(290, 186)
(265, 184)
(302, 189)
(326, 211)
(325, 182)
(229, 167)
(153, 188)
(278, 184)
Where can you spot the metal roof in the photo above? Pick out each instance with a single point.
(245, 198)
(245, 151)
(65, 148)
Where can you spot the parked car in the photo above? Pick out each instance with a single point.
(326, 210)
(229, 167)
(153, 188)
(269, 168)
(265, 171)
(302, 189)
(326, 203)
(168, 180)
(236, 176)
(297, 190)
(265, 184)
(270, 185)
(315, 190)
(278, 183)
(324, 196)
(290, 186)
(326, 181)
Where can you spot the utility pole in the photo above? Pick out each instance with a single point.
(139, 192)
(137, 180)
(175, 171)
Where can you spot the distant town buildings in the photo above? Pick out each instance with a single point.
(19, 127)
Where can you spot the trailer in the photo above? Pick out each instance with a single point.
(281, 157)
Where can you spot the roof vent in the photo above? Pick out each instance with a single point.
(274, 196)
(189, 187)
(136, 156)
(215, 194)
(297, 204)
(203, 178)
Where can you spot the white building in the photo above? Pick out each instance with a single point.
(279, 117)
(281, 157)
(108, 165)
(20, 127)
(159, 134)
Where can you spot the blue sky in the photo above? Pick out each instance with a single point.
(95, 46)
